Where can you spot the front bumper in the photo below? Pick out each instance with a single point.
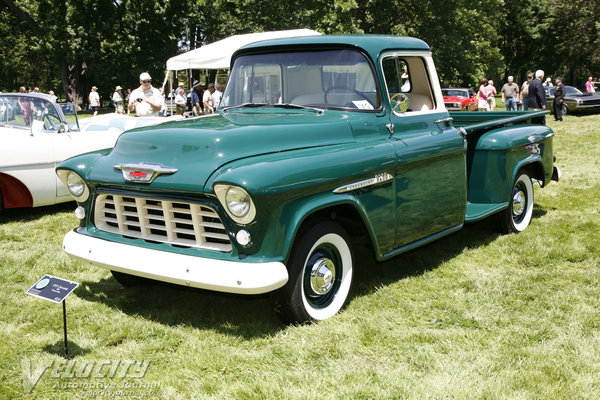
(203, 273)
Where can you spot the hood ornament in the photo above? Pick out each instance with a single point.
(142, 172)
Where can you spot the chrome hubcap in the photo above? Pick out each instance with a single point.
(518, 203)
(322, 276)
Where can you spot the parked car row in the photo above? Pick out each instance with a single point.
(463, 99)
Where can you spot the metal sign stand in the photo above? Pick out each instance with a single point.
(65, 328)
(55, 290)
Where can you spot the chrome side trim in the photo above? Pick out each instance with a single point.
(379, 178)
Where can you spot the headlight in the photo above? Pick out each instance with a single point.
(237, 202)
(74, 184)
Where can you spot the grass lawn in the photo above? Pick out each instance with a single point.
(475, 315)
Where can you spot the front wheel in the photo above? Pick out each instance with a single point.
(520, 210)
(564, 109)
(320, 269)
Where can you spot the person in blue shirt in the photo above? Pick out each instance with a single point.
(197, 99)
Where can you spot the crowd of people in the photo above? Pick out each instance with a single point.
(147, 100)
(531, 94)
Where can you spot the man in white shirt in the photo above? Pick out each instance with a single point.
(217, 96)
(207, 99)
(145, 100)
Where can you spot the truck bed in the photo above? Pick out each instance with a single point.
(473, 121)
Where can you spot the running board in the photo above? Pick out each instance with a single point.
(477, 211)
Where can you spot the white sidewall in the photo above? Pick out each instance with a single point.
(342, 294)
(529, 206)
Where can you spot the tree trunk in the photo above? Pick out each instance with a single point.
(73, 83)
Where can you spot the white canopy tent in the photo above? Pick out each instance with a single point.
(217, 55)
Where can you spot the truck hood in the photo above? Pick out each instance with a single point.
(197, 147)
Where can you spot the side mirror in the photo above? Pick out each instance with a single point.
(400, 103)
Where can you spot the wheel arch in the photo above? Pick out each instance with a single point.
(14, 193)
(347, 212)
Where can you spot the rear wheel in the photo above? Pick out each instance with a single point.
(520, 210)
(320, 269)
(564, 109)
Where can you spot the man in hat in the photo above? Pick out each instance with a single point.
(196, 96)
(117, 99)
(145, 100)
(207, 99)
(94, 99)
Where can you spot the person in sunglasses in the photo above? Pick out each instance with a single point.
(145, 100)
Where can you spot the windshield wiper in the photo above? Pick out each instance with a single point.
(291, 105)
(246, 105)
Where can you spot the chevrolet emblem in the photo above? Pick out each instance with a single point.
(142, 172)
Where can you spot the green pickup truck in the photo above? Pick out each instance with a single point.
(317, 140)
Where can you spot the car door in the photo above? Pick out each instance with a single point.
(430, 152)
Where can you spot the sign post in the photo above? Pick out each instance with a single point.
(55, 290)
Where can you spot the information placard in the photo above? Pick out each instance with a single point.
(52, 288)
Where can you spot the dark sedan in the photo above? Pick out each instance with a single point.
(575, 101)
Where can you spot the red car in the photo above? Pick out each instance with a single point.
(459, 99)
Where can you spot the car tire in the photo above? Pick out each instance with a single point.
(564, 109)
(517, 216)
(128, 280)
(320, 271)
(1, 203)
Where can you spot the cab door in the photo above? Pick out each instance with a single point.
(430, 172)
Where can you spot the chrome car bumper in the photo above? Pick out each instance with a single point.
(203, 273)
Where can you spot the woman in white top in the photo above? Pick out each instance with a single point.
(482, 95)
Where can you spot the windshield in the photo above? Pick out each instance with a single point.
(341, 79)
(572, 90)
(455, 93)
(70, 113)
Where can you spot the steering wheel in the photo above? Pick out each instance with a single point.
(51, 122)
(349, 89)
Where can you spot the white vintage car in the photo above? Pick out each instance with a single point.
(36, 134)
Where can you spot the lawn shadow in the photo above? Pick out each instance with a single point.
(27, 214)
(247, 316)
(372, 274)
(252, 316)
(58, 348)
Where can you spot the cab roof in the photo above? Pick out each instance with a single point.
(371, 44)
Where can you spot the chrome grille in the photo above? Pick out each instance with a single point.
(173, 222)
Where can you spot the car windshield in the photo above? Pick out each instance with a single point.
(455, 93)
(338, 79)
(70, 113)
(572, 90)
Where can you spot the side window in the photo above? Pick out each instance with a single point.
(408, 75)
(17, 111)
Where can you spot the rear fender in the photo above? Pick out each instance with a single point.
(501, 153)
